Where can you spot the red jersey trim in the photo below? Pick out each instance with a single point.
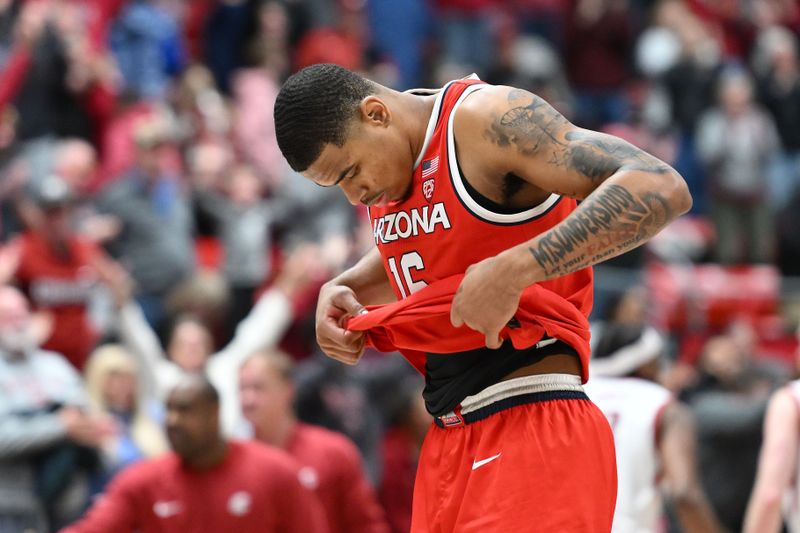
(436, 115)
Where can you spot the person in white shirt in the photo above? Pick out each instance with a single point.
(653, 433)
(262, 328)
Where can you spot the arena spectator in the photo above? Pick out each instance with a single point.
(206, 483)
(47, 435)
(115, 390)
(466, 32)
(254, 90)
(401, 32)
(46, 81)
(147, 47)
(329, 463)
(729, 405)
(331, 226)
(245, 223)
(58, 271)
(155, 243)
(227, 30)
(598, 38)
(343, 41)
(190, 347)
(736, 142)
(779, 90)
(690, 83)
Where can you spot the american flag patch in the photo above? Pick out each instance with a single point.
(430, 167)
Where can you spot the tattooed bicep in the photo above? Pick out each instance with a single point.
(597, 156)
(527, 123)
(534, 129)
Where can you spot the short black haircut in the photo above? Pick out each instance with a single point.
(314, 108)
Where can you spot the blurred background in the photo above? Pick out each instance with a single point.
(146, 209)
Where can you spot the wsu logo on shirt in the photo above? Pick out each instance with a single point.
(165, 509)
(405, 224)
(239, 503)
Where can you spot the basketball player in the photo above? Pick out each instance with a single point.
(484, 180)
(653, 433)
(777, 486)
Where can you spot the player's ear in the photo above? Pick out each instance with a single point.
(374, 111)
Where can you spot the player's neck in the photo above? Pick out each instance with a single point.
(276, 432)
(416, 113)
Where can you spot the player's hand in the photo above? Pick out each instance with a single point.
(336, 303)
(486, 299)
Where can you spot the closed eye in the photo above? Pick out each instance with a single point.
(344, 174)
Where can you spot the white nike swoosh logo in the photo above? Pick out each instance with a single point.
(478, 464)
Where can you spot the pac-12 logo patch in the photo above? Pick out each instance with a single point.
(427, 189)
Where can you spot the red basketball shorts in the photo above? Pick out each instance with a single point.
(530, 454)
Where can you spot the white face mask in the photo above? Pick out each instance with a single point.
(18, 341)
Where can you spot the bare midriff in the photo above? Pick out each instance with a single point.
(552, 364)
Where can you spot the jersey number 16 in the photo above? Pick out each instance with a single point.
(408, 261)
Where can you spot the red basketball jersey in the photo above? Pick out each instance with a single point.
(439, 230)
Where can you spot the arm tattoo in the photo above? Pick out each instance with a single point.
(597, 156)
(531, 128)
(534, 127)
(609, 222)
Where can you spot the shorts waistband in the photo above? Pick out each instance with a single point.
(511, 393)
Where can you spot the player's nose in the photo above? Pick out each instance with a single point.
(354, 194)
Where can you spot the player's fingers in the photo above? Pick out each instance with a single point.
(329, 330)
(347, 356)
(493, 340)
(354, 338)
(455, 317)
(337, 351)
(348, 303)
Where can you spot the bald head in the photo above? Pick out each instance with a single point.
(196, 387)
(12, 302)
(75, 161)
(193, 418)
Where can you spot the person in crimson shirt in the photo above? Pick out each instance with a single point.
(206, 483)
(58, 270)
(329, 463)
(473, 195)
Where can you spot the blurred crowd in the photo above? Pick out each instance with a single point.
(150, 227)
